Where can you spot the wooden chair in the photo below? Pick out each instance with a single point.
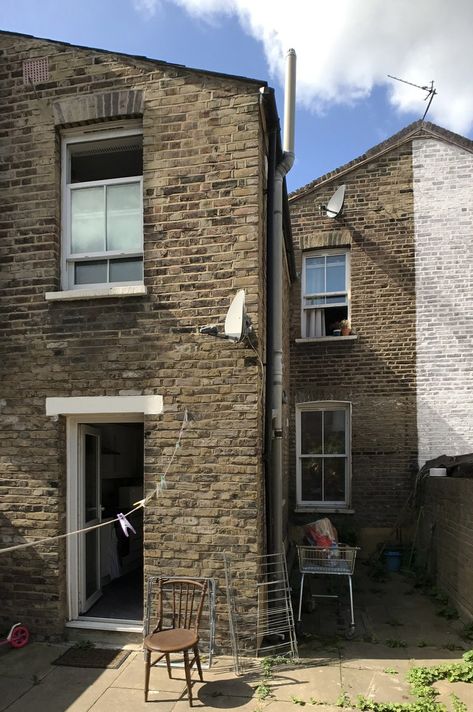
(184, 601)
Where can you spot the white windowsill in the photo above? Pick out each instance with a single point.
(324, 510)
(318, 339)
(96, 293)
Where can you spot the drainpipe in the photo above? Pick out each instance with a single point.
(277, 265)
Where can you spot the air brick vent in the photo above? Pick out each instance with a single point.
(36, 70)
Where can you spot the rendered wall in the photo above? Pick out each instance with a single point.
(443, 219)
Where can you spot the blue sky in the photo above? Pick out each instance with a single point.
(346, 104)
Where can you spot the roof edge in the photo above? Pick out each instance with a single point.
(417, 129)
(142, 58)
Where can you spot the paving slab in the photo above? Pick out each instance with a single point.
(11, 690)
(63, 688)
(114, 699)
(32, 661)
(376, 685)
(368, 656)
(319, 683)
(463, 690)
(132, 677)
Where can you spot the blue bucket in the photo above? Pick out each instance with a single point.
(392, 560)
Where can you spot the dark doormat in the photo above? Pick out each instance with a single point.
(92, 658)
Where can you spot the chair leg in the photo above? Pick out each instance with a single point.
(197, 660)
(188, 675)
(168, 663)
(147, 670)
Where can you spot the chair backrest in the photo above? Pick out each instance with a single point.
(181, 602)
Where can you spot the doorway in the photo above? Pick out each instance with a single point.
(105, 565)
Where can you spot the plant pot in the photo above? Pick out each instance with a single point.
(336, 332)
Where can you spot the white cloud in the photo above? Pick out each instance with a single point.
(346, 47)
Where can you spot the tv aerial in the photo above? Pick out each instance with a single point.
(431, 91)
(334, 206)
(237, 322)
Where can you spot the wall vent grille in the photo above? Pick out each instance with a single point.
(36, 70)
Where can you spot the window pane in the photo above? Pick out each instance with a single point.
(334, 432)
(90, 272)
(87, 220)
(315, 275)
(126, 270)
(340, 300)
(119, 157)
(336, 273)
(311, 480)
(311, 432)
(124, 221)
(334, 479)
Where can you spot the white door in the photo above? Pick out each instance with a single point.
(89, 515)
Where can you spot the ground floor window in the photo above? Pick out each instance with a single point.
(323, 440)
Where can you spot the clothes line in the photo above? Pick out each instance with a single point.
(141, 504)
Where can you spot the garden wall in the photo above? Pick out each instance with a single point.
(445, 542)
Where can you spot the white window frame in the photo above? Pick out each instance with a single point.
(68, 259)
(321, 406)
(306, 309)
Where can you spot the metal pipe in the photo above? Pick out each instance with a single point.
(282, 169)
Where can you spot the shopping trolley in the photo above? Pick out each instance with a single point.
(338, 560)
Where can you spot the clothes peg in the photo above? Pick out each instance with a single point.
(125, 524)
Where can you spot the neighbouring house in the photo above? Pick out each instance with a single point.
(372, 404)
(135, 202)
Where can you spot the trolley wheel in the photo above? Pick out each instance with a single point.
(19, 637)
(350, 632)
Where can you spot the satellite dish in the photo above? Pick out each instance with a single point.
(335, 204)
(237, 323)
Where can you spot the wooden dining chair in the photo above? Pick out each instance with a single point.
(180, 604)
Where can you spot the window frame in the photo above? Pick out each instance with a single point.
(324, 252)
(323, 406)
(68, 258)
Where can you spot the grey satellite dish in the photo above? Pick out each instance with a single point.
(335, 204)
(237, 323)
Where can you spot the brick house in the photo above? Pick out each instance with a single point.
(369, 407)
(134, 205)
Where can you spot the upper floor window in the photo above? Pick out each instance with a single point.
(323, 436)
(325, 292)
(102, 187)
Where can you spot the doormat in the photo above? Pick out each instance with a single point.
(92, 658)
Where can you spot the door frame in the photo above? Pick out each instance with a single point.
(73, 496)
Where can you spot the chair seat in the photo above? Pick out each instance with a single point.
(171, 641)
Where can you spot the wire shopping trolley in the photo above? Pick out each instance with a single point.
(338, 560)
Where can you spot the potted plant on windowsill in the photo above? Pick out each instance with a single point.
(345, 327)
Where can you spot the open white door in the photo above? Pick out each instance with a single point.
(89, 515)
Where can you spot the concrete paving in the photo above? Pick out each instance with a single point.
(397, 628)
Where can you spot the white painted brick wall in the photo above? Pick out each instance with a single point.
(443, 219)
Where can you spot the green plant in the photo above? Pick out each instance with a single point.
(467, 632)
(452, 647)
(390, 671)
(263, 691)
(421, 644)
(84, 645)
(313, 701)
(343, 700)
(457, 704)
(394, 623)
(297, 700)
(394, 643)
(448, 612)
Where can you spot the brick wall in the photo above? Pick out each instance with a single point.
(444, 265)
(375, 372)
(203, 239)
(445, 543)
